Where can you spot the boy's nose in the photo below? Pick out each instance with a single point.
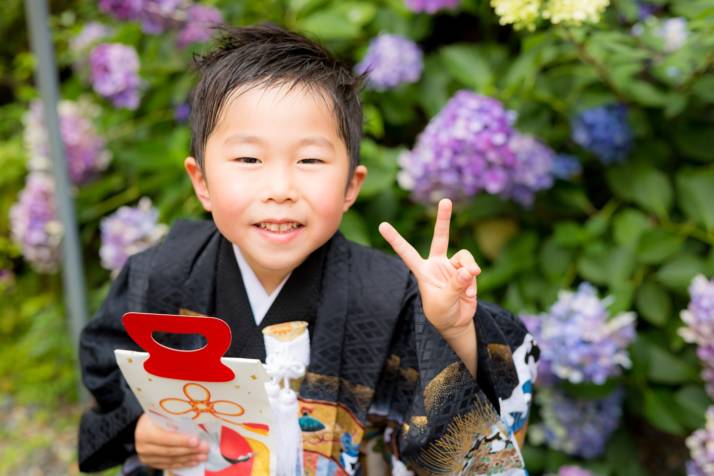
(279, 185)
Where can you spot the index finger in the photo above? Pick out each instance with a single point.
(440, 241)
(406, 252)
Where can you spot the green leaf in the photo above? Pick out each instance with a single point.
(467, 64)
(693, 401)
(382, 166)
(659, 411)
(331, 24)
(657, 245)
(642, 184)
(653, 303)
(354, 228)
(554, 259)
(628, 225)
(645, 93)
(678, 272)
(695, 193)
(664, 367)
(694, 140)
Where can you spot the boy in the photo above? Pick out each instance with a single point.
(276, 126)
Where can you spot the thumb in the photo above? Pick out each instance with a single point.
(463, 284)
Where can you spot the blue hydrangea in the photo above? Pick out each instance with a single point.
(578, 427)
(604, 131)
(578, 342)
(566, 166)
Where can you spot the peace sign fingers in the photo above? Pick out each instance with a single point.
(440, 241)
(401, 247)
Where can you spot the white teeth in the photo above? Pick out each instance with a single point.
(279, 227)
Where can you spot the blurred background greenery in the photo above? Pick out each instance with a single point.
(638, 228)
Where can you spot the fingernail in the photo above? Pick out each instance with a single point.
(471, 292)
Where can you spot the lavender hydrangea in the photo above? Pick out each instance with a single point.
(89, 35)
(85, 149)
(157, 16)
(127, 231)
(579, 427)
(431, 6)
(533, 170)
(700, 445)
(699, 318)
(199, 24)
(391, 60)
(114, 71)
(34, 224)
(578, 343)
(463, 150)
(604, 131)
(122, 9)
(573, 471)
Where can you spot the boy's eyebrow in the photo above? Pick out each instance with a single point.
(317, 140)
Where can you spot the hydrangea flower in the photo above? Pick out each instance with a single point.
(127, 231)
(182, 112)
(519, 13)
(34, 224)
(566, 166)
(573, 471)
(674, 33)
(700, 447)
(699, 318)
(114, 71)
(604, 131)
(534, 168)
(391, 60)
(579, 427)
(574, 12)
(578, 343)
(431, 6)
(158, 15)
(89, 35)
(84, 148)
(122, 9)
(463, 150)
(198, 26)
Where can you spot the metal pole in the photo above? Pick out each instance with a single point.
(46, 79)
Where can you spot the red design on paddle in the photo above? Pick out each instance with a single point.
(202, 364)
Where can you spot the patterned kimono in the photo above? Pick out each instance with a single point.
(374, 357)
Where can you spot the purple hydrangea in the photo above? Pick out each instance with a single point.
(122, 9)
(604, 131)
(431, 6)
(578, 343)
(182, 112)
(128, 231)
(573, 471)
(533, 170)
(579, 427)
(199, 24)
(463, 150)
(700, 445)
(566, 166)
(391, 60)
(699, 318)
(469, 147)
(34, 224)
(115, 74)
(157, 16)
(85, 149)
(89, 35)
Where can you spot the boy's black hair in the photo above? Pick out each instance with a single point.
(269, 55)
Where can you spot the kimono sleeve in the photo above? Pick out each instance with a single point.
(448, 421)
(106, 431)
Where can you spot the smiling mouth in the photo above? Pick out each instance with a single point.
(285, 227)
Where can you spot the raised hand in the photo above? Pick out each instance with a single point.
(447, 285)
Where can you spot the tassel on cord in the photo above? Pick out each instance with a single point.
(287, 347)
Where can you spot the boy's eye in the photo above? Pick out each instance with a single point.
(247, 160)
(312, 161)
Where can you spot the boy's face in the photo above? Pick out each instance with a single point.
(275, 177)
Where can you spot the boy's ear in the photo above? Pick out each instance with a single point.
(354, 186)
(198, 180)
